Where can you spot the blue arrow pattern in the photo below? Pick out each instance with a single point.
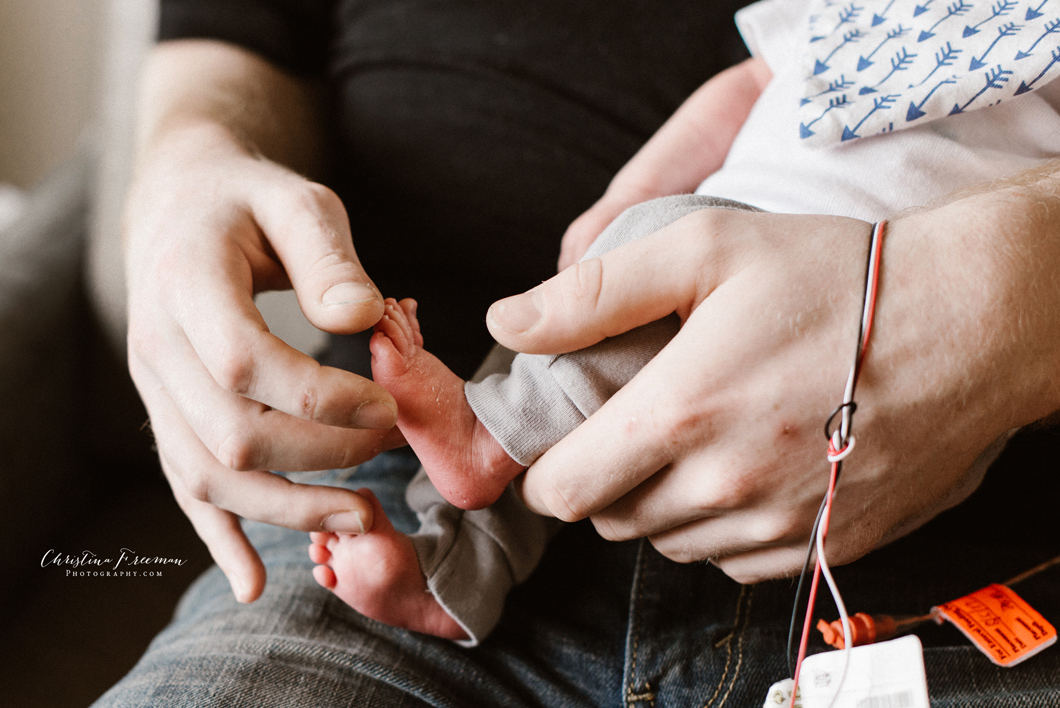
(1003, 31)
(1001, 8)
(921, 9)
(866, 62)
(880, 103)
(900, 62)
(1024, 86)
(955, 10)
(822, 66)
(1034, 13)
(914, 111)
(867, 98)
(837, 102)
(838, 85)
(847, 15)
(878, 18)
(945, 56)
(995, 79)
(1050, 27)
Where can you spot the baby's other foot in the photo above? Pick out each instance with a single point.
(466, 464)
(378, 574)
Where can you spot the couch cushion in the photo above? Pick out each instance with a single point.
(40, 257)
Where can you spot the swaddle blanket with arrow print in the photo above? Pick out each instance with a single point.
(874, 66)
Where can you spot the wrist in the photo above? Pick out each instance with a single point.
(979, 272)
(213, 88)
(191, 138)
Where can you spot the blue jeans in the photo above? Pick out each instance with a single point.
(599, 624)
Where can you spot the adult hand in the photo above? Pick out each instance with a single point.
(690, 146)
(715, 449)
(209, 224)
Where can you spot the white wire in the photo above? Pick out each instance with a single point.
(842, 454)
(844, 618)
(848, 413)
(841, 434)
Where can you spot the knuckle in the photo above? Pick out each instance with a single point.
(142, 341)
(588, 283)
(292, 511)
(684, 421)
(312, 197)
(567, 504)
(197, 484)
(699, 238)
(234, 370)
(309, 205)
(675, 548)
(771, 529)
(610, 530)
(745, 575)
(728, 488)
(240, 450)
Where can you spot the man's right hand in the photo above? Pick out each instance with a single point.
(209, 224)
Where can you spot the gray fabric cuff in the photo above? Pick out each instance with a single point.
(472, 559)
(527, 410)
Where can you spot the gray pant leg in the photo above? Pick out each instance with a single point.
(543, 398)
(472, 559)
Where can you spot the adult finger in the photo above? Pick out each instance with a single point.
(763, 564)
(634, 435)
(224, 538)
(245, 435)
(257, 495)
(630, 286)
(725, 481)
(584, 230)
(307, 226)
(724, 536)
(245, 359)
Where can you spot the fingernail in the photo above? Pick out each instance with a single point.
(348, 294)
(375, 415)
(515, 314)
(343, 522)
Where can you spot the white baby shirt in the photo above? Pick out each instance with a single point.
(878, 105)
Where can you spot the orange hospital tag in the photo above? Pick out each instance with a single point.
(1000, 624)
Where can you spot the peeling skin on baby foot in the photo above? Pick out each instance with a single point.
(378, 574)
(464, 461)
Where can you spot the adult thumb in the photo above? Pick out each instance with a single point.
(598, 298)
(309, 230)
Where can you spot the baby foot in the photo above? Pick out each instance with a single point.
(466, 464)
(378, 574)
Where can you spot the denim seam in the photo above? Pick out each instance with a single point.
(632, 695)
(739, 624)
(739, 641)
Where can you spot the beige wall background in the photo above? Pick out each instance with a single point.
(49, 77)
(68, 76)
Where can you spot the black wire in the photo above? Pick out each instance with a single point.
(839, 465)
(798, 589)
(836, 411)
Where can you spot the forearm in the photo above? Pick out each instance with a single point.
(221, 93)
(693, 143)
(1007, 233)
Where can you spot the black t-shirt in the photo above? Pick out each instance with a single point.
(468, 135)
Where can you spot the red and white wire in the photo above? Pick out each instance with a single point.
(840, 445)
